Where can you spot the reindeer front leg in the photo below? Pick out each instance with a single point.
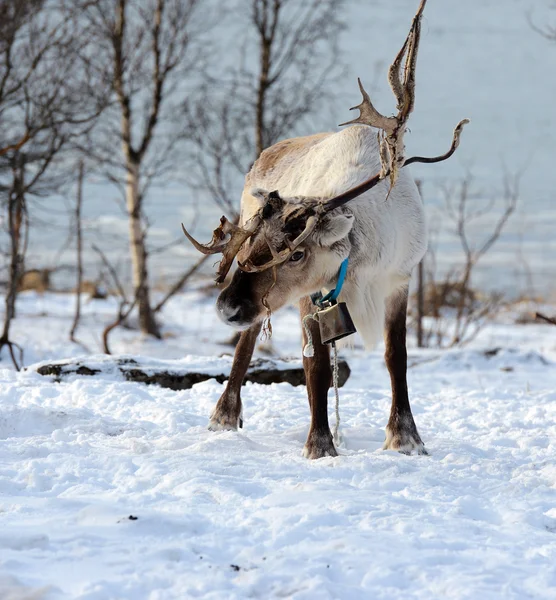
(318, 375)
(401, 432)
(227, 414)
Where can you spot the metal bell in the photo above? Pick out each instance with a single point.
(335, 323)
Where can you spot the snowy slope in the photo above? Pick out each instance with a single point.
(243, 515)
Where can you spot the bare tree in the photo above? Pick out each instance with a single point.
(149, 50)
(17, 229)
(457, 311)
(125, 306)
(78, 252)
(420, 287)
(254, 104)
(297, 57)
(46, 101)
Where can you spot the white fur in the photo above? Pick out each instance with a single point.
(388, 236)
(335, 229)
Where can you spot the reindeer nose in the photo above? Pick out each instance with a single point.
(232, 313)
(228, 314)
(235, 305)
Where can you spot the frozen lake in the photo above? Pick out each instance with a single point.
(479, 59)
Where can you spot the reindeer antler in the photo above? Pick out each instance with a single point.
(280, 257)
(345, 197)
(228, 239)
(393, 128)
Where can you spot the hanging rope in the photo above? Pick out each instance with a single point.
(309, 349)
(336, 393)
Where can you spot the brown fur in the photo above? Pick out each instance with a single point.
(272, 156)
(318, 374)
(401, 432)
(227, 413)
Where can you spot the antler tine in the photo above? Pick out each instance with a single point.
(355, 192)
(239, 237)
(369, 115)
(411, 63)
(228, 239)
(215, 245)
(385, 156)
(420, 10)
(434, 159)
(411, 41)
(394, 75)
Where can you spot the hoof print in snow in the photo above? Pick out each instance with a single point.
(180, 375)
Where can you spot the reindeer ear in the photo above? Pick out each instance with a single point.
(333, 228)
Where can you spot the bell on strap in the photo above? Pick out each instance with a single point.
(334, 319)
(335, 323)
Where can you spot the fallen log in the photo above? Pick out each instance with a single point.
(178, 374)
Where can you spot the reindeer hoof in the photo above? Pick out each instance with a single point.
(319, 446)
(404, 442)
(224, 423)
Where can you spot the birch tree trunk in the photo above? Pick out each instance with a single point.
(138, 251)
(15, 208)
(78, 252)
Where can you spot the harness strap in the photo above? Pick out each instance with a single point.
(319, 300)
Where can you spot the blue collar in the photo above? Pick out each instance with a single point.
(319, 300)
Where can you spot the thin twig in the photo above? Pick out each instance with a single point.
(111, 270)
(122, 316)
(6, 342)
(79, 243)
(181, 282)
(17, 145)
(550, 320)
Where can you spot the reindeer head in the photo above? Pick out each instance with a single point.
(293, 247)
(296, 250)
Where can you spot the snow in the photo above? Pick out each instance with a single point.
(112, 490)
(244, 515)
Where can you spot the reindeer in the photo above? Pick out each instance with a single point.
(307, 205)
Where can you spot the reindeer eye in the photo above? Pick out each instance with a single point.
(298, 255)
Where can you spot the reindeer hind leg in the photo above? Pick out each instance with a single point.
(401, 431)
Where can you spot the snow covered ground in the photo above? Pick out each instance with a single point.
(113, 490)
